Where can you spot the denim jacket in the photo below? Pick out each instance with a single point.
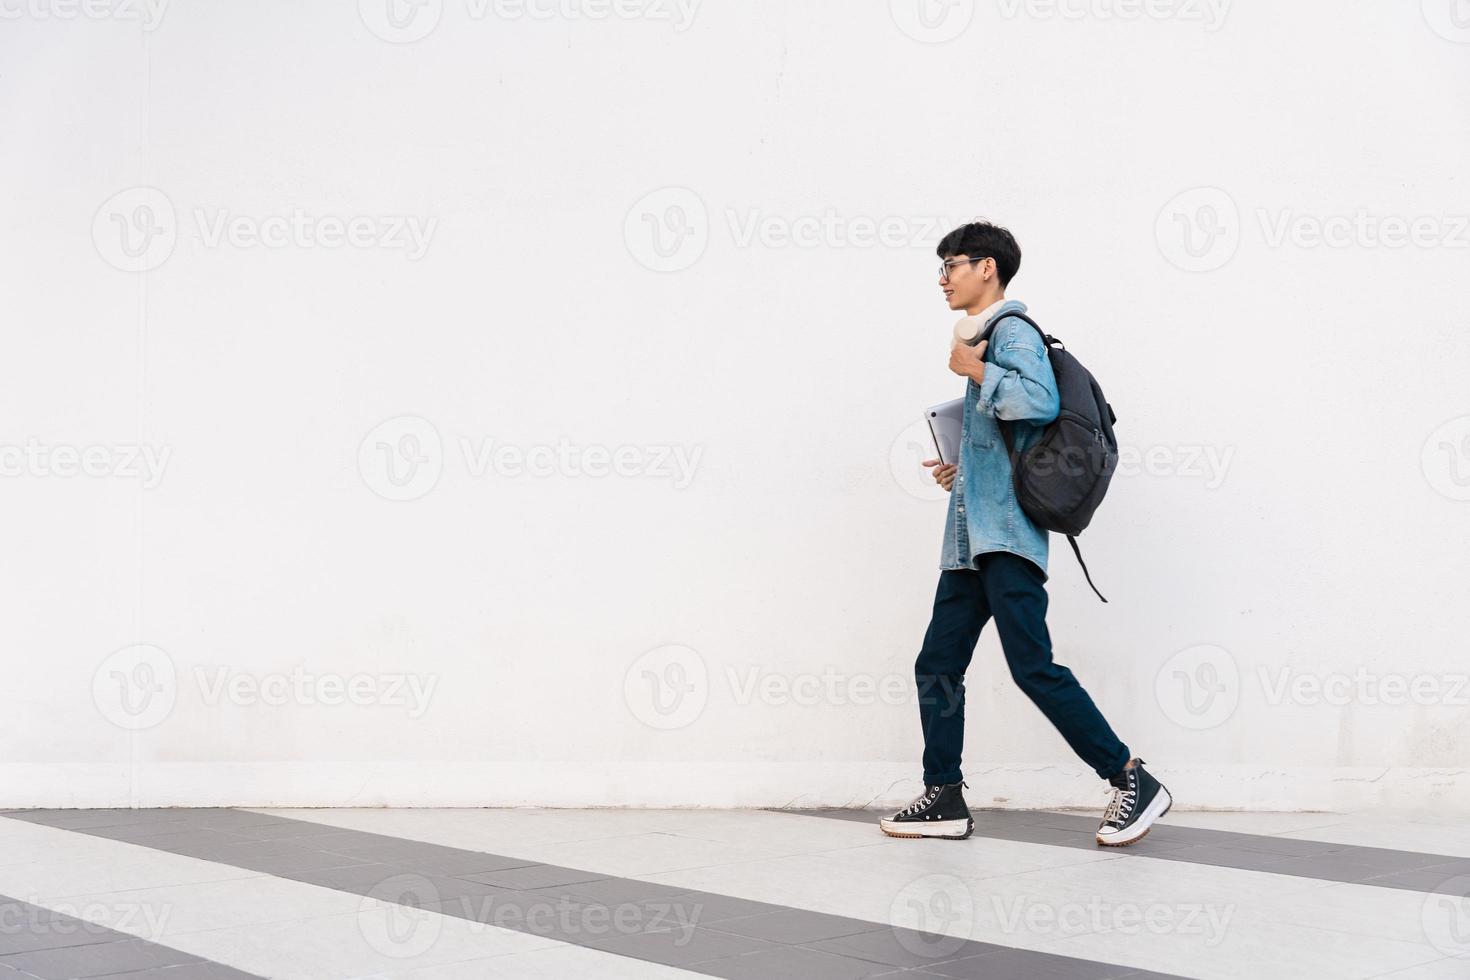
(1020, 388)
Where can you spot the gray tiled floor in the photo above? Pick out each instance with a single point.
(702, 932)
(1325, 861)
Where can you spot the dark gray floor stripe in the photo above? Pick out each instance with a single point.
(37, 942)
(1409, 870)
(702, 932)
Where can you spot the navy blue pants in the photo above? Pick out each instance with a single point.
(1011, 590)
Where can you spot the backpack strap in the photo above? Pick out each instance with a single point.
(1072, 540)
(1046, 339)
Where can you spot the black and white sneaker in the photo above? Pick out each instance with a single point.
(1138, 800)
(940, 812)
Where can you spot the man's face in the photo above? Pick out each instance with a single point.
(963, 280)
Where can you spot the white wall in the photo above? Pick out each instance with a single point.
(1296, 413)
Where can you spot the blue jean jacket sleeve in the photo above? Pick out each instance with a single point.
(1018, 383)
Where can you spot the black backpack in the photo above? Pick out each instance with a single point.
(1061, 479)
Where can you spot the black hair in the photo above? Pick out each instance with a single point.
(981, 239)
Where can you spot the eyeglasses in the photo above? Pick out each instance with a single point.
(948, 264)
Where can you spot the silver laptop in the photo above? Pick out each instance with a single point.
(945, 421)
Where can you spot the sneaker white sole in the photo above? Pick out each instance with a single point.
(1157, 808)
(942, 829)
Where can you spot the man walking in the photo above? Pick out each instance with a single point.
(993, 564)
